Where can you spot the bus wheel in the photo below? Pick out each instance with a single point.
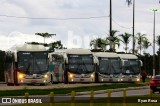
(66, 79)
(42, 84)
(51, 79)
(10, 84)
(96, 78)
(17, 84)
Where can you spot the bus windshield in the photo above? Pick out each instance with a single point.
(109, 65)
(33, 62)
(81, 64)
(131, 67)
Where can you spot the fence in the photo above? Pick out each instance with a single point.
(73, 102)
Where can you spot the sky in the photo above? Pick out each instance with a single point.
(75, 22)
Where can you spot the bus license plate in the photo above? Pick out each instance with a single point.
(33, 81)
(129, 79)
(158, 87)
(81, 79)
(110, 79)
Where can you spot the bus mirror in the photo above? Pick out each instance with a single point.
(65, 58)
(141, 63)
(95, 59)
(122, 63)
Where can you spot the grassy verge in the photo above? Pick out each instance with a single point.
(63, 90)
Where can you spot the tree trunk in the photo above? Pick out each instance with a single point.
(126, 48)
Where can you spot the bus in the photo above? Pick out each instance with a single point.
(27, 64)
(72, 65)
(131, 68)
(108, 68)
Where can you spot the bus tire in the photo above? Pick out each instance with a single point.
(51, 79)
(10, 84)
(96, 78)
(66, 78)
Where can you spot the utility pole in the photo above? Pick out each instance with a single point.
(110, 22)
(154, 11)
(133, 26)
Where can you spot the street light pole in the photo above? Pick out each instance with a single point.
(110, 31)
(154, 11)
(133, 26)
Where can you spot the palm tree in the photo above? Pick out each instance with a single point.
(114, 40)
(125, 39)
(158, 41)
(141, 38)
(146, 44)
(129, 3)
(45, 35)
(99, 43)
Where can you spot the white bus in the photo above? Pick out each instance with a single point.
(72, 65)
(131, 68)
(108, 67)
(27, 64)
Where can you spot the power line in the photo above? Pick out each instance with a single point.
(45, 18)
(121, 25)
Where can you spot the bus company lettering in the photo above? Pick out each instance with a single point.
(14, 100)
(34, 101)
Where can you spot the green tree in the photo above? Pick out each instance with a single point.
(45, 35)
(158, 43)
(99, 43)
(125, 38)
(141, 38)
(113, 40)
(56, 45)
(146, 44)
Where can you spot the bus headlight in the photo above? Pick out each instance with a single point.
(138, 79)
(92, 75)
(20, 76)
(70, 75)
(45, 76)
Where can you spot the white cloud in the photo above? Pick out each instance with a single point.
(122, 14)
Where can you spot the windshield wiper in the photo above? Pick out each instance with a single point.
(28, 67)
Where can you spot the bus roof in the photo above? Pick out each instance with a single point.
(127, 56)
(31, 48)
(74, 51)
(105, 54)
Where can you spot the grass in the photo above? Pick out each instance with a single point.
(63, 90)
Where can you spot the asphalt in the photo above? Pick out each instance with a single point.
(111, 90)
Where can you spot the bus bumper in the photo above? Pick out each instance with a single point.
(103, 79)
(81, 79)
(128, 79)
(33, 81)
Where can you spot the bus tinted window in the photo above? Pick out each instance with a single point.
(81, 63)
(32, 63)
(109, 65)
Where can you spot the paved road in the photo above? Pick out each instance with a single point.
(49, 86)
(113, 94)
(120, 93)
(87, 97)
